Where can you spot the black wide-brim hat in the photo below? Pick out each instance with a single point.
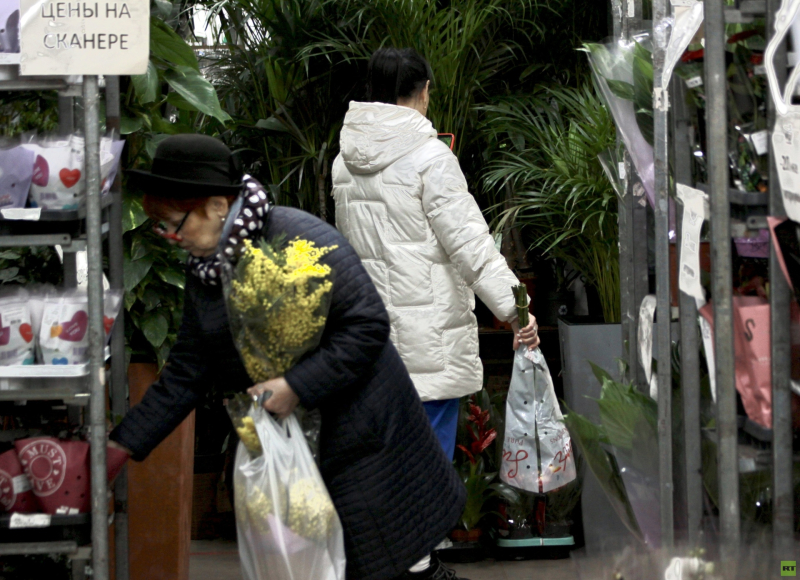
(187, 166)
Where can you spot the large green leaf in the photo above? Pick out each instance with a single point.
(155, 326)
(197, 91)
(171, 275)
(146, 85)
(134, 271)
(133, 214)
(621, 89)
(130, 125)
(168, 46)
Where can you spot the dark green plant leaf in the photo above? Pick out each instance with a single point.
(133, 214)
(130, 125)
(271, 124)
(168, 46)
(171, 276)
(135, 271)
(10, 255)
(197, 91)
(146, 85)
(155, 326)
(621, 89)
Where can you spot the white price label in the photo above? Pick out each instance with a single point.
(21, 483)
(686, 3)
(786, 144)
(694, 82)
(29, 521)
(760, 70)
(760, 141)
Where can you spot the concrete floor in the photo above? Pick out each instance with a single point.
(219, 560)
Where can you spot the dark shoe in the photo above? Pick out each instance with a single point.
(437, 571)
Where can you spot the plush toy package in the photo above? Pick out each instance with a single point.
(9, 26)
(16, 173)
(59, 180)
(63, 336)
(58, 472)
(16, 329)
(16, 494)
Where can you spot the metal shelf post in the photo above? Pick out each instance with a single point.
(780, 299)
(664, 354)
(722, 280)
(97, 404)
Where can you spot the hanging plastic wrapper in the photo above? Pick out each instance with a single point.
(537, 451)
(618, 70)
(286, 523)
(786, 132)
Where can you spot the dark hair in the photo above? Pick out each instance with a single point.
(396, 73)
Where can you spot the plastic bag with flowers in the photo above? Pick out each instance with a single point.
(277, 295)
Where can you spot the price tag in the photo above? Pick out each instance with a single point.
(686, 3)
(21, 483)
(760, 141)
(29, 521)
(786, 141)
(695, 211)
(760, 70)
(694, 82)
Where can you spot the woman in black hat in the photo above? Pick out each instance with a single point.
(395, 492)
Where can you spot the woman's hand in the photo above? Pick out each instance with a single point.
(283, 400)
(528, 336)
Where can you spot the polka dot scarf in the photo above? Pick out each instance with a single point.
(247, 224)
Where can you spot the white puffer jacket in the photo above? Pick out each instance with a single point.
(402, 202)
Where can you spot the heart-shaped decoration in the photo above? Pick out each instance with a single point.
(69, 177)
(75, 329)
(26, 332)
(60, 361)
(55, 330)
(41, 171)
(108, 322)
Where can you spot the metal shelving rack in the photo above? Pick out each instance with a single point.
(84, 385)
(682, 488)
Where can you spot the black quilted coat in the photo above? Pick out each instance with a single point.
(396, 493)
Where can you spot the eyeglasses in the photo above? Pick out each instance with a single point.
(161, 229)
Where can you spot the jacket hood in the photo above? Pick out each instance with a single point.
(376, 135)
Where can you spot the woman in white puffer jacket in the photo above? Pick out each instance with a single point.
(403, 203)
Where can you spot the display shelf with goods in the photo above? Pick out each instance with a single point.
(82, 537)
(713, 123)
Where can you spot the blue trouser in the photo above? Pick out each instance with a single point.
(443, 416)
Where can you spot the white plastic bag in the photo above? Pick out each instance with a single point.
(286, 523)
(535, 464)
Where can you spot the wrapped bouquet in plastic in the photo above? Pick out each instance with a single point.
(537, 450)
(278, 295)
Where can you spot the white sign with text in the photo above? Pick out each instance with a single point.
(91, 37)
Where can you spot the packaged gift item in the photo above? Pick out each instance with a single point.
(16, 172)
(9, 26)
(16, 329)
(58, 472)
(16, 494)
(59, 180)
(63, 335)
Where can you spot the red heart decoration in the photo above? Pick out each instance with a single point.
(26, 332)
(108, 322)
(69, 177)
(41, 171)
(75, 329)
